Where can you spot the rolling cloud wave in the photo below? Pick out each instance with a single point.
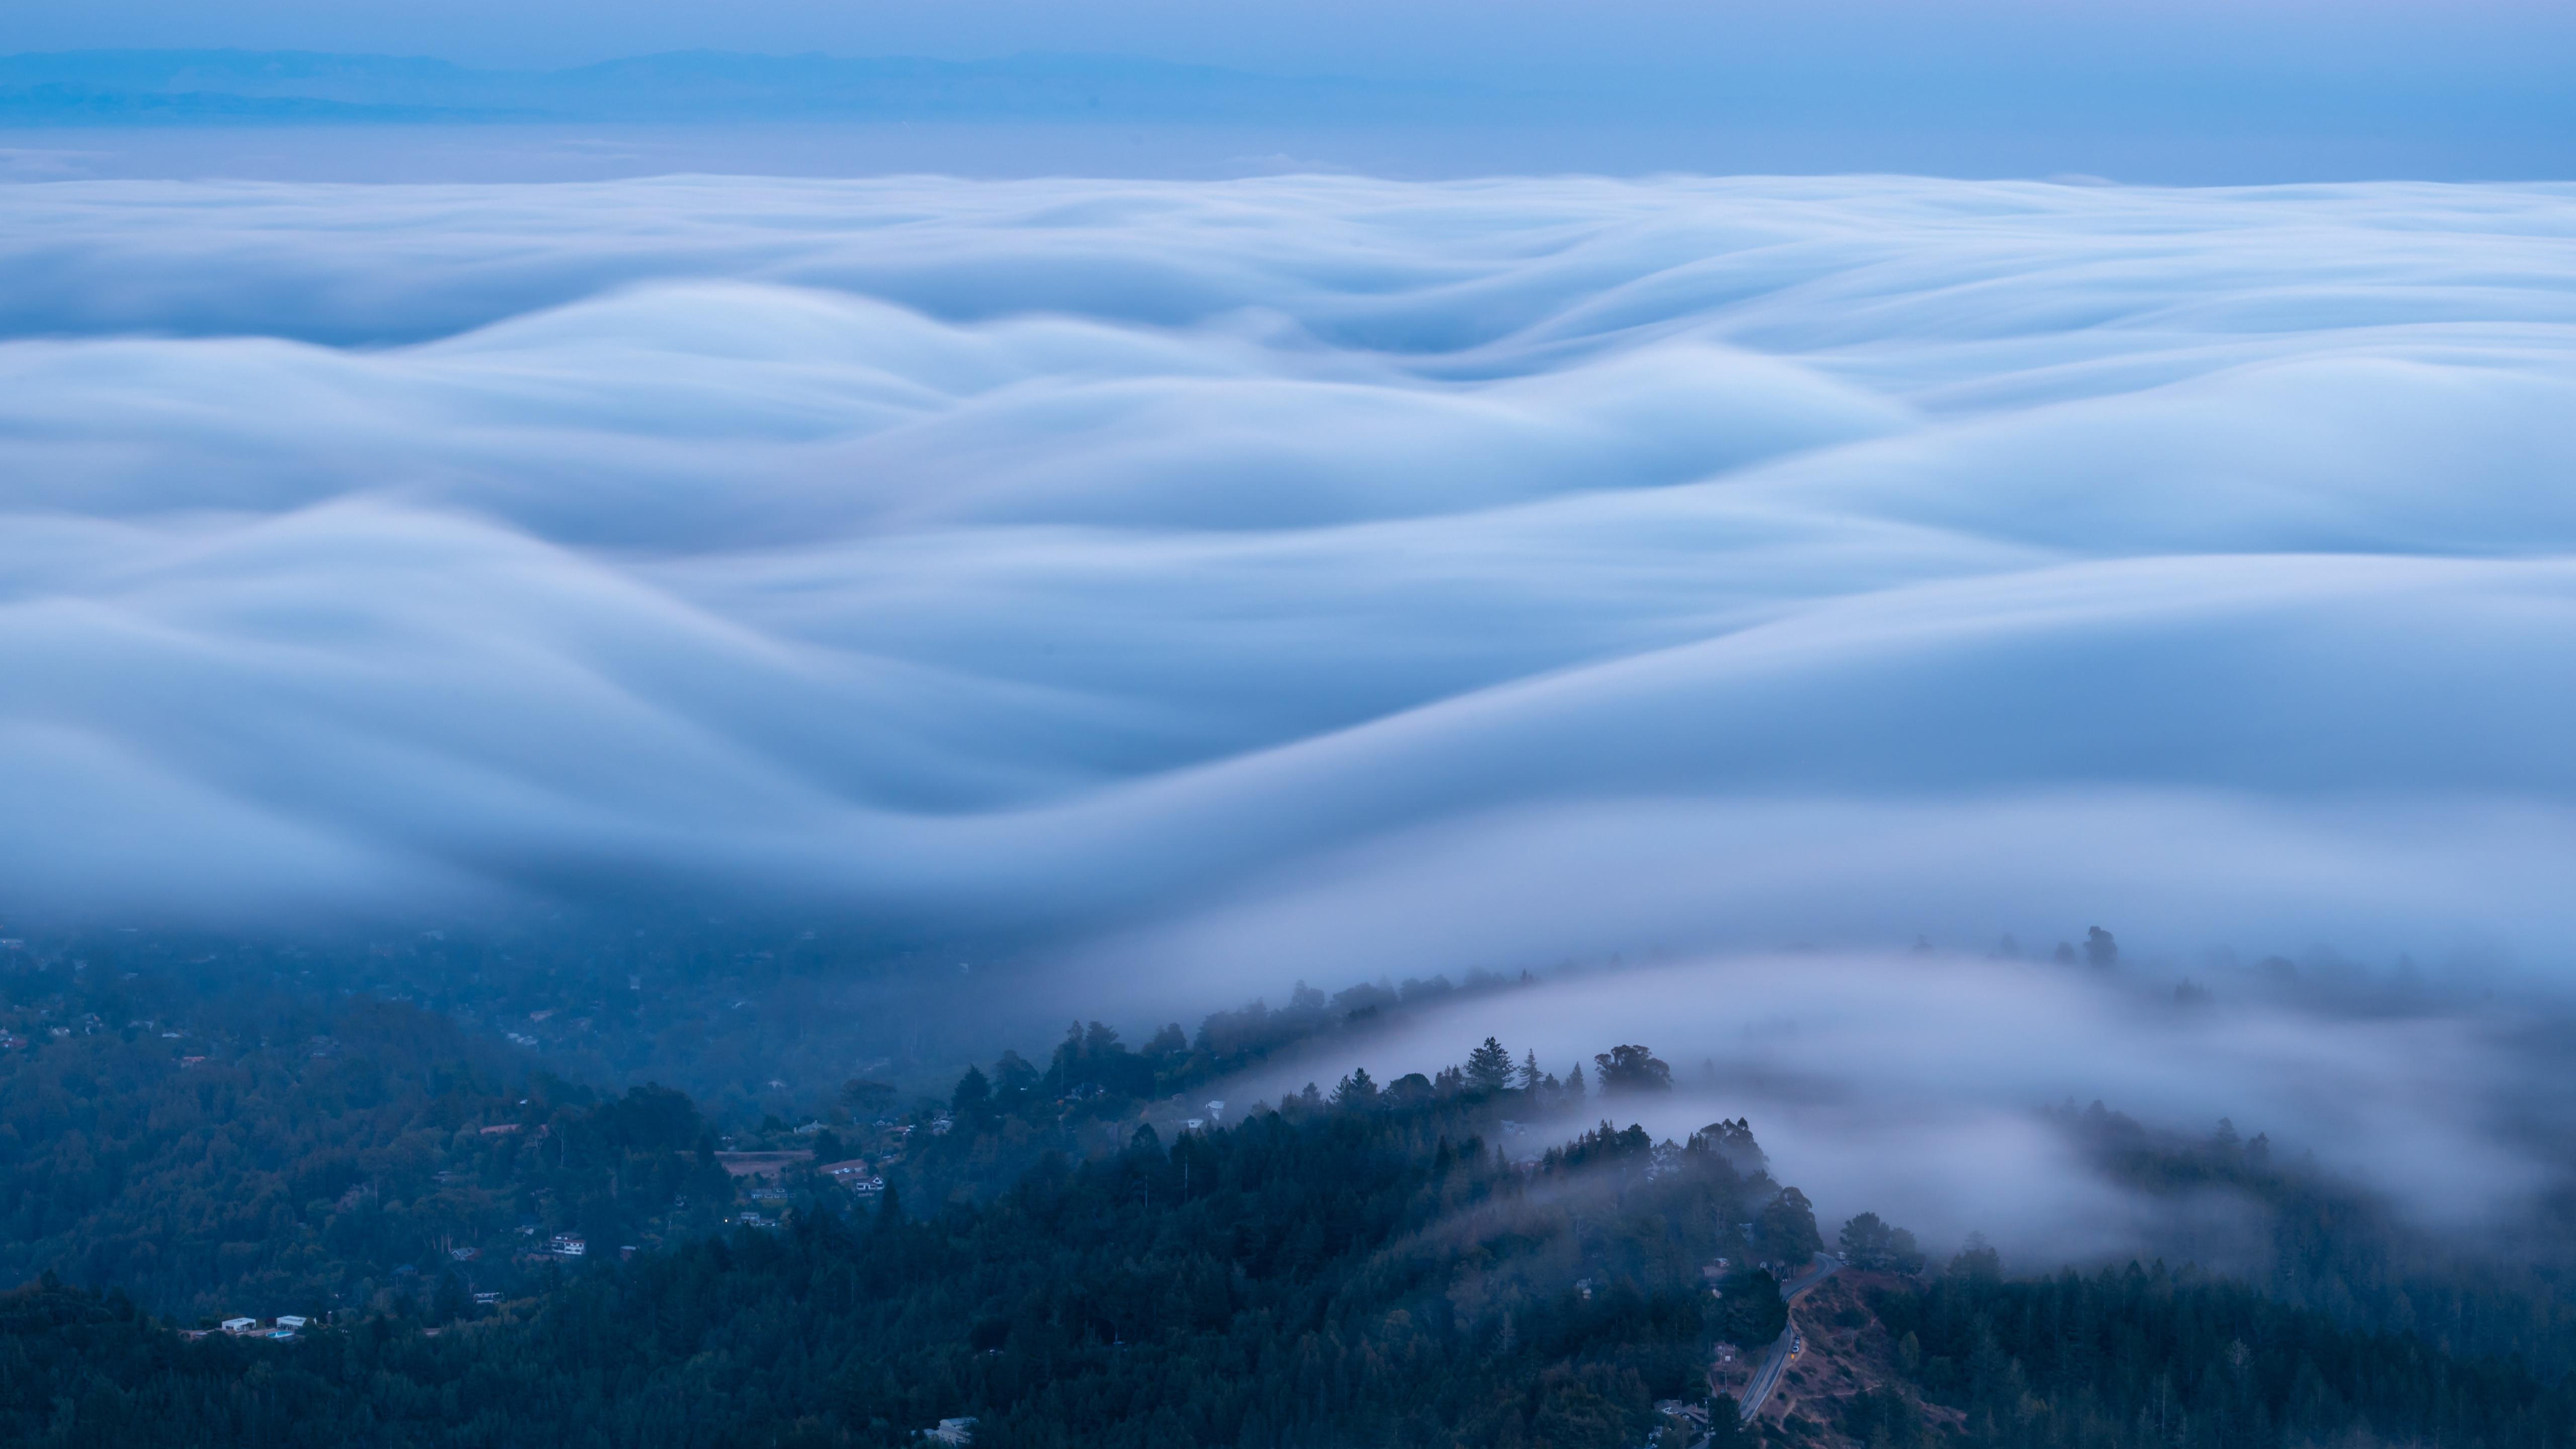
(1397, 574)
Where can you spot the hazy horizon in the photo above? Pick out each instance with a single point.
(2163, 94)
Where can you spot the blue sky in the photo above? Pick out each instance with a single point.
(2183, 92)
(1512, 38)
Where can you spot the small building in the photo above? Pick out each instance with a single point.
(240, 1325)
(292, 1320)
(855, 1175)
(567, 1245)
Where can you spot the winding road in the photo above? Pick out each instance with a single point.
(1775, 1363)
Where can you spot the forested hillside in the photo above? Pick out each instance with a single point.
(255, 1155)
(492, 1255)
(2136, 1357)
(1363, 1269)
(750, 1017)
(1350, 1271)
(229, 1140)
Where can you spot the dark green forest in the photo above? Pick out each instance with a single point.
(1378, 1263)
(750, 1017)
(350, 1148)
(2132, 1357)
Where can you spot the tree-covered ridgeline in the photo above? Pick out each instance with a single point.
(1331, 1274)
(1361, 1269)
(750, 1017)
(217, 1144)
(1371, 1261)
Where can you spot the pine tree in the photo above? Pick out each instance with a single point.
(974, 1093)
(451, 1303)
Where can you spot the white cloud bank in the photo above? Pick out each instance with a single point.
(1906, 1084)
(1301, 575)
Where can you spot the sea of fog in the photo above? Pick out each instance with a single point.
(1188, 586)
(1402, 575)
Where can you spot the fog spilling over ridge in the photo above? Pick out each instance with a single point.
(1226, 577)
(1909, 1081)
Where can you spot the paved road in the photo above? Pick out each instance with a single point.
(1775, 1363)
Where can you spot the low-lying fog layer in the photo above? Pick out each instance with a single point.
(1915, 1085)
(1316, 575)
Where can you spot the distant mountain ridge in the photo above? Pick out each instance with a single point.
(125, 87)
